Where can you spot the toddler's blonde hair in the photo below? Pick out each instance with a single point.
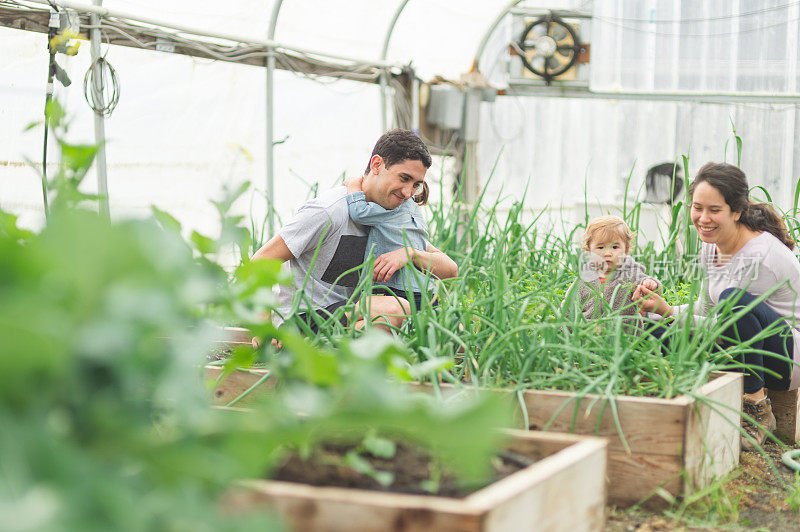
(608, 228)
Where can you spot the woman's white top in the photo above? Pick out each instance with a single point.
(762, 264)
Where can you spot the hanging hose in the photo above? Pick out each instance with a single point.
(101, 87)
(51, 73)
(789, 459)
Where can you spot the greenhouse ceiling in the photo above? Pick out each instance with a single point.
(439, 37)
(691, 70)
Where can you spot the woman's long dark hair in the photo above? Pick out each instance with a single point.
(731, 182)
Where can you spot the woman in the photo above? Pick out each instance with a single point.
(746, 253)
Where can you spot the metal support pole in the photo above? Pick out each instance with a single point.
(384, 78)
(471, 180)
(471, 120)
(99, 121)
(470, 131)
(415, 104)
(270, 111)
(384, 86)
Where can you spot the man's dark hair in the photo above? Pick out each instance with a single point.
(400, 145)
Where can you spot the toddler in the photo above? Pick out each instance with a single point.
(609, 270)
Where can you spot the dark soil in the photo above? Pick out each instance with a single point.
(751, 498)
(411, 467)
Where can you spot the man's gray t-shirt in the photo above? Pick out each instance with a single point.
(342, 249)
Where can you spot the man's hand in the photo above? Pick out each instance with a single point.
(353, 184)
(387, 264)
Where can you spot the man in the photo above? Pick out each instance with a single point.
(322, 238)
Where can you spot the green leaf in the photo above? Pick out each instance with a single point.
(203, 244)
(237, 235)
(165, 219)
(430, 485)
(54, 112)
(241, 357)
(307, 362)
(380, 447)
(430, 367)
(252, 275)
(384, 478)
(360, 465)
(242, 188)
(376, 345)
(229, 197)
(9, 229)
(77, 157)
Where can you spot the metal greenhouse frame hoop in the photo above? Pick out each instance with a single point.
(271, 45)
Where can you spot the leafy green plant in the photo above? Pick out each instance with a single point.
(507, 312)
(75, 160)
(344, 397)
(375, 446)
(105, 421)
(101, 401)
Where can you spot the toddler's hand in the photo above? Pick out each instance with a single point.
(353, 184)
(650, 284)
(650, 301)
(256, 341)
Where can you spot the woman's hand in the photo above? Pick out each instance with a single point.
(387, 264)
(650, 301)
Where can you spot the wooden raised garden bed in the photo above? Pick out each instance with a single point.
(563, 490)
(236, 336)
(679, 445)
(226, 389)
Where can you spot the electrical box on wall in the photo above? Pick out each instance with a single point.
(445, 107)
(550, 48)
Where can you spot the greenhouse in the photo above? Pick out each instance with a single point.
(400, 265)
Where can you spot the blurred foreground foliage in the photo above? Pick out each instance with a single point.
(105, 423)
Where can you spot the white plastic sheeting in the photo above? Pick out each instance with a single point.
(711, 45)
(555, 145)
(184, 127)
